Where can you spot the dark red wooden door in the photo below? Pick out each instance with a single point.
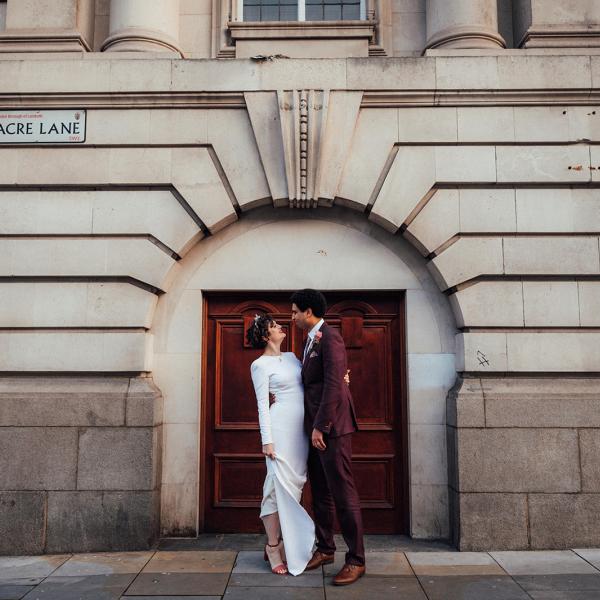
(372, 325)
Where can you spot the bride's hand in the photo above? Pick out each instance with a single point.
(347, 377)
(269, 450)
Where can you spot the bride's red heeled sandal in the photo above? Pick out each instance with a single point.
(283, 556)
(279, 568)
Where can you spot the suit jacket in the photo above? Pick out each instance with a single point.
(328, 404)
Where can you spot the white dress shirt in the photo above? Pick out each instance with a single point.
(311, 338)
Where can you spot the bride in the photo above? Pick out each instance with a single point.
(285, 446)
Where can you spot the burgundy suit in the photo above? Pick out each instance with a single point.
(328, 406)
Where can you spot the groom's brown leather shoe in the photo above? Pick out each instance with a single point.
(318, 559)
(349, 574)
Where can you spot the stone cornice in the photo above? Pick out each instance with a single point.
(371, 99)
(125, 100)
(107, 80)
(549, 97)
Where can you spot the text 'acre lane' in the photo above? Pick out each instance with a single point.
(28, 128)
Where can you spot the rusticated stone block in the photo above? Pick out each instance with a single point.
(62, 401)
(518, 460)
(589, 442)
(101, 521)
(496, 521)
(464, 405)
(144, 403)
(564, 520)
(52, 410)
(22, 522)
(115, 459)
(554, 402)
(38, 458)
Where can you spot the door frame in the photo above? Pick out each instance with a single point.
(403, 449)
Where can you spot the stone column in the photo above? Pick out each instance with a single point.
(463, 24)
(143, 26)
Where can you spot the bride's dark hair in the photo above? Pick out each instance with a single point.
(258, 333)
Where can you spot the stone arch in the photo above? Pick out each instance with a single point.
(328, 248)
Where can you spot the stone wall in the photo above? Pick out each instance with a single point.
(523, 458)
(79, 464)
(486, 166)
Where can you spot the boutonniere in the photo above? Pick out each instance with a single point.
(318, 337)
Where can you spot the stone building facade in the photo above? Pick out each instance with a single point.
(446, 151)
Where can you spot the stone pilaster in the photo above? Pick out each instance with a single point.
(143, 26)
(48, 26)
(463, 24)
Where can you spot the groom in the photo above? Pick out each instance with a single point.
(329, 420)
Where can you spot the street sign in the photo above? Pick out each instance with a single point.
(42, 126)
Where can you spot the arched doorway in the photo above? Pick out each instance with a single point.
(273, 251)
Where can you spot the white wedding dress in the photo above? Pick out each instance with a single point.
(283, 426)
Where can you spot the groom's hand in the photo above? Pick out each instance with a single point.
(317, 439)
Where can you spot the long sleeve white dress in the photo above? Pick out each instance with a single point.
(283, 426)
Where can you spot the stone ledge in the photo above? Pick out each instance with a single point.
(521, 75)
(144, 403)
(252, 30)
(79, 401)
(465, 404)
(525, 403)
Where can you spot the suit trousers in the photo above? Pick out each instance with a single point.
(334, 491)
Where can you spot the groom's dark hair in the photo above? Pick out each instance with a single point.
(307, 298)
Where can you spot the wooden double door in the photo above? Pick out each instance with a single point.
(233, 468)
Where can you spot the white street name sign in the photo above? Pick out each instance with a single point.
(42, 126)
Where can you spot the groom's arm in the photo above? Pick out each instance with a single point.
(333, 354)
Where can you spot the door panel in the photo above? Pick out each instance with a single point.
(372, 325)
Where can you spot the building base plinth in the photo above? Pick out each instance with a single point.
(523, 459)
(80, 464)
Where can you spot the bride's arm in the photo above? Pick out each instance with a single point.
(260, 379)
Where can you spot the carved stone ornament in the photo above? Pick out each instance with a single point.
(303, 137)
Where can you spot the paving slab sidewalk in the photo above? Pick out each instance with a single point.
(232, 568)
